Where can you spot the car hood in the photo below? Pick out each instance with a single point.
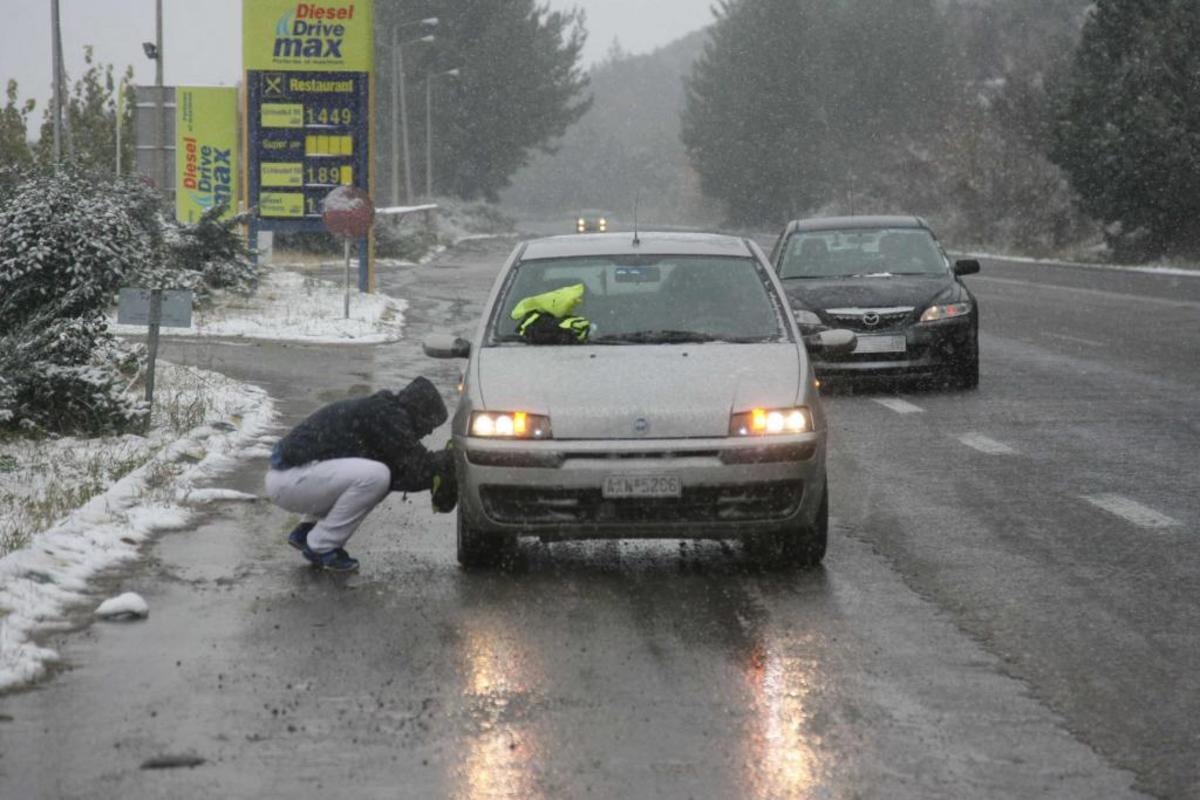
(680, 391)
(916, 291)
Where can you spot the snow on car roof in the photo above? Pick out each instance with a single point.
(843, 223)
(656, 244)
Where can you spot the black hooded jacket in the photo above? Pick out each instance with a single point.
(386, 427)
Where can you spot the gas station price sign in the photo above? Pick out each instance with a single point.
(308, 134)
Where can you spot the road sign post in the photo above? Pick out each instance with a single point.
(156, 309)
(348, 212)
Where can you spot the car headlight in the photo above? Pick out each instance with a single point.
(581, 225)
(509, 425)
(771, 422)
(806, 317)
(603, 225)
(950, 311)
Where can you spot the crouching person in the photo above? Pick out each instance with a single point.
(337, 465)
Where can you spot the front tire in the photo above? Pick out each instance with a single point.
(801, 545)
(966, 374)
(477, 549)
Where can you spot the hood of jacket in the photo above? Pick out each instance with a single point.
(424, 405)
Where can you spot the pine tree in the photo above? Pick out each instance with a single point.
(795, 101)
(1128, 125)
(519, 90)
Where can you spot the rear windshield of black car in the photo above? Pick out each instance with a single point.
(862, 251)
(629, 299)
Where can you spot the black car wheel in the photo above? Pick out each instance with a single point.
(478, 549)
(799, 546)
(965, 374)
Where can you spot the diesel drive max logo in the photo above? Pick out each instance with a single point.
(208, 174)
(312, 31)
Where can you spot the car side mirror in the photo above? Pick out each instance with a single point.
(442, 345)
(837, 342)
(967, 266)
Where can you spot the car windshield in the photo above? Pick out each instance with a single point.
(862, 252)
(654, 300)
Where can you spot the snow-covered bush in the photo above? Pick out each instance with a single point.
(210, 256)
(68, 243)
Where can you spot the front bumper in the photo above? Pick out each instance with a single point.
(930, 348)
(554, 489)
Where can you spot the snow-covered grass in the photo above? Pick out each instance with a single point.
(71, 509)
(289, 306)
(1176, 270)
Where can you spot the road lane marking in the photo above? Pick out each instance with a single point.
(1119, 296)
(898, 405)
(1131, 511)
(1076, 339)
(983, 444)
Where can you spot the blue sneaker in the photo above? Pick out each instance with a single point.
(298, 538)
(333, 561)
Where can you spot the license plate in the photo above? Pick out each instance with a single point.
(881, 344)
(617, 487)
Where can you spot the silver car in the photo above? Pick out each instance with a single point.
(690, 411)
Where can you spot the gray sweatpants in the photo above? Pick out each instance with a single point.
(338, 494)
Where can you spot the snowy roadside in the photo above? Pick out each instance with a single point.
(1150, 269)
(76, 508)
(289, 306)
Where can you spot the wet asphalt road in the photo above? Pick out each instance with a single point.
(1001, 613)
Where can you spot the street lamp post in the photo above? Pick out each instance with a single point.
(400, 108)
(450, 73)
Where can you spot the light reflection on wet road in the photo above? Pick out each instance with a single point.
(925, 660)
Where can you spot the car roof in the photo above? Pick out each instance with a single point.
(845, 223)
(622, 244)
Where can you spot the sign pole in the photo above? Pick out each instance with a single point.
(156, 296)
(347, 238)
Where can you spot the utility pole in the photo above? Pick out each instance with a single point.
(56, 57)
(399, 119)
(162, 105)
(400, 104)
(120, 120)
(450, 73)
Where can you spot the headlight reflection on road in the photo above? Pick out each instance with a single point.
(781, 758)
(501, 757)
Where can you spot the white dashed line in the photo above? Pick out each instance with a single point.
(898, 405)
(983, 444)
(1131, 511)
(1076, 339)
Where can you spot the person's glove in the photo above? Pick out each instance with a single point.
(444, 491)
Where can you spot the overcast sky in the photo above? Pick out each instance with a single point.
(202, 38)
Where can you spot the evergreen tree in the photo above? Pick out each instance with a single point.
(15, 153)
(1128, 125)
(795, 101)
(520, 87)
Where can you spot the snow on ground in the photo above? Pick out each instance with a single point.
(74, 508)
(1152, 269)
(289, 306)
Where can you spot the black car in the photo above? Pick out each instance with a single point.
(888, 280)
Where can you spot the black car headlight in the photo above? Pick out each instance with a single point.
(805, 317)
(947, 311)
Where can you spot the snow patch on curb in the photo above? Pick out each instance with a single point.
(1052, 262)
(42, 584)
(289, 306)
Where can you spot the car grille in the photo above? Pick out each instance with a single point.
(856, 319)
(512, 505)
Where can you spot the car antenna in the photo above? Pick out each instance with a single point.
(637, 240)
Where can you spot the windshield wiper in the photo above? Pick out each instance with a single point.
(656, 337)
